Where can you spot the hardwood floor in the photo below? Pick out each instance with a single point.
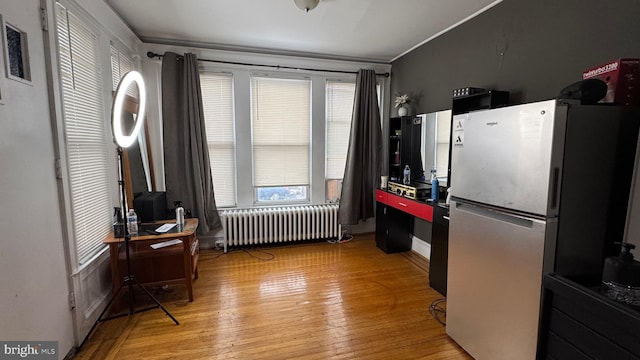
(311, 301)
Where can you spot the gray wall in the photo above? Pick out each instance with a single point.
(532, 49)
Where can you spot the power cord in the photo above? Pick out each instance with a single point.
(437, 309)
(217, 256)
(269, 257)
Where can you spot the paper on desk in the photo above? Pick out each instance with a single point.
(164, 228)
(165, 244)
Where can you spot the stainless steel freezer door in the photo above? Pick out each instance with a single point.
(494, 282)
(502, 157)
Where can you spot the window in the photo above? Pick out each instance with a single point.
(120, 65)
(17, 53)
(281, 117)
(443, 131)
(217, 101)
(84, 132)
(339, 104)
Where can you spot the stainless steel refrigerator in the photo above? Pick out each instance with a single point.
(535, 188)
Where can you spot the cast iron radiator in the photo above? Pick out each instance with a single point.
(280, 224)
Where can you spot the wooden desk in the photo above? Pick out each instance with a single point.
(172, 264)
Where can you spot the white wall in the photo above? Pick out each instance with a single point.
(33, 275)
(34, 271)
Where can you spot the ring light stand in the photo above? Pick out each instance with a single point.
(124, 141)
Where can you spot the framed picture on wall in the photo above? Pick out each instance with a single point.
(16, 52)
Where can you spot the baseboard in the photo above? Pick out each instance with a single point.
(421, 247)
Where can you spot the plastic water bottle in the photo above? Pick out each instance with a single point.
(132, 222)
(406, 175)
(435, 185)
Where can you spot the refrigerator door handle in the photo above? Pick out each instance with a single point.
(555, 187)
(495, 214)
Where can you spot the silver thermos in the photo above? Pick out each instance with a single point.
(179, 213)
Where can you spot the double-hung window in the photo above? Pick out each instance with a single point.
(84, 129)
(281, 118)
(339, 107)
(121, 64)
(339, 100)
(217, 102)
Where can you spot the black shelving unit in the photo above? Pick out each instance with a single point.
(393, 229)
(395, 149)
(439, 249)
(481, 101)
(404, 147)
(579, 322)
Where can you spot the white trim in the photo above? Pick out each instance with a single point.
(421, 247)
(91, 262)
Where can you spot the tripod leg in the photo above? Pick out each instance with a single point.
(156, 301)
(132, 299)
(129, 279)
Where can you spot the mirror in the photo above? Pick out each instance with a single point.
(137, 162)
(435, 137)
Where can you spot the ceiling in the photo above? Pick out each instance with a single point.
(363, 30)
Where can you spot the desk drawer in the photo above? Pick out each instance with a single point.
(420, 210)
(155, 266)
(381, 196)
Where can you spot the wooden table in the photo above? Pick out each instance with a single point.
(172, 264)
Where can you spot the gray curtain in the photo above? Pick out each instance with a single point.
(186, 155)
(364, 155)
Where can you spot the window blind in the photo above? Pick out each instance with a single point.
(281, 110)
(121, 64)
(339, 100)
(217, 102)
(84, 131)
(442, 146)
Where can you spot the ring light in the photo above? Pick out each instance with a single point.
(117, 109)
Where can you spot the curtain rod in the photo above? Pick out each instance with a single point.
(152, 55)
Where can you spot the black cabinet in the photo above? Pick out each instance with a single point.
(393, 229)
(439, 249)
(578, 322)
(404, 147)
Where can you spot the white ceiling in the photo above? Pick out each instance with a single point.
(366, 30)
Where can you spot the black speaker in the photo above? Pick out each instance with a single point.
(151, 206)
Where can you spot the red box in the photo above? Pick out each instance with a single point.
(623, 80)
